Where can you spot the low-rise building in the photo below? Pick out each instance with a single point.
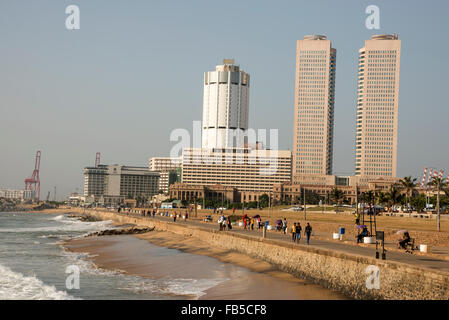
(17, 194)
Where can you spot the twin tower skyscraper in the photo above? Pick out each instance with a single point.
(226, 105)
(376, 112)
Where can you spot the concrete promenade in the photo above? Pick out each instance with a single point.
(332, 264)
(365, 250)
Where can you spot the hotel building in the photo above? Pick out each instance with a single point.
(225, 106)
(114, 183)
(314, 108)
(231, 174)
(377, 107)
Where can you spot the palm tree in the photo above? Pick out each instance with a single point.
(439, 184)
(368, 197)
(337, 195)
(381, 197)
(408, 184)
(394, 195)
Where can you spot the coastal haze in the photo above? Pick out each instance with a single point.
(134, 72)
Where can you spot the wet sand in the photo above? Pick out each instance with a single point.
(236, 276)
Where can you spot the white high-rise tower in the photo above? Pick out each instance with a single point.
(225, 106)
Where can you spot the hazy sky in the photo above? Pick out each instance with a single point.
(134, 72)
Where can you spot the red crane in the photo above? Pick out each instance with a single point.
(97, 159)
(34, 183)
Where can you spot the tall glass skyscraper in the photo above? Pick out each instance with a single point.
(314, 107)
(377, 107)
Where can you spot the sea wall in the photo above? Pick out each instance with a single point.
(339, 271)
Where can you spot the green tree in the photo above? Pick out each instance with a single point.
(381, 198)
(263, 200)
(337, 196)
(394, 195)
(409, 185)
(367, 197)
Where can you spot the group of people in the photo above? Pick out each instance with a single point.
(224, 223)
(296, 231)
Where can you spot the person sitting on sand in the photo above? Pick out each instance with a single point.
(402, 243)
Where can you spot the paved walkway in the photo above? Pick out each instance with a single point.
(362, 250)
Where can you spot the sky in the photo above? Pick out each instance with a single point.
(133, 73)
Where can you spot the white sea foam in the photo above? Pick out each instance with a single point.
(179, 287)
(16, 286)
(67, 225)
(86, 265)
(140, 285)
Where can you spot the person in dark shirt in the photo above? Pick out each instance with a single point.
(362, 234)
(402, 243)
(308, 232)
(298, 232)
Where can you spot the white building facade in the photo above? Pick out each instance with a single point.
(164, 165)
(225, 106)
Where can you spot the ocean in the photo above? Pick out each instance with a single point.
(34, 265)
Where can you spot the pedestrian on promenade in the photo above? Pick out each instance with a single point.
(229, 223)
(284, 225)
(244, 223)
(294, 232)
(187, 215)
(357, 218)
(174, 217)
(252, 223)
(298, 232)
(259, 223)
(308, 232)
(220, 222)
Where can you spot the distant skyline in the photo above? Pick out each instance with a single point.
(134, 72)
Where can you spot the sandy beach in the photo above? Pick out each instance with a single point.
(246, 278)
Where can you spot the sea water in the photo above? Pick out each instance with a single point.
(33, 264)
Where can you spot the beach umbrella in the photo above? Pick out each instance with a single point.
(401, 231)
(256, 216)
(278, 221)
(361, 226)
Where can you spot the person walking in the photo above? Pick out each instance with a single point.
(284, 225)
(174, 217)
(298, 232)
(357, 218)
(308, 232)
(252, 223)
(229, 223)
(294, 232)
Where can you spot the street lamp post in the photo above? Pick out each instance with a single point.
(305, 215)
(269, 204)
(438, 205)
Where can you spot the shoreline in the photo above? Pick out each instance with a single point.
(258, 273)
